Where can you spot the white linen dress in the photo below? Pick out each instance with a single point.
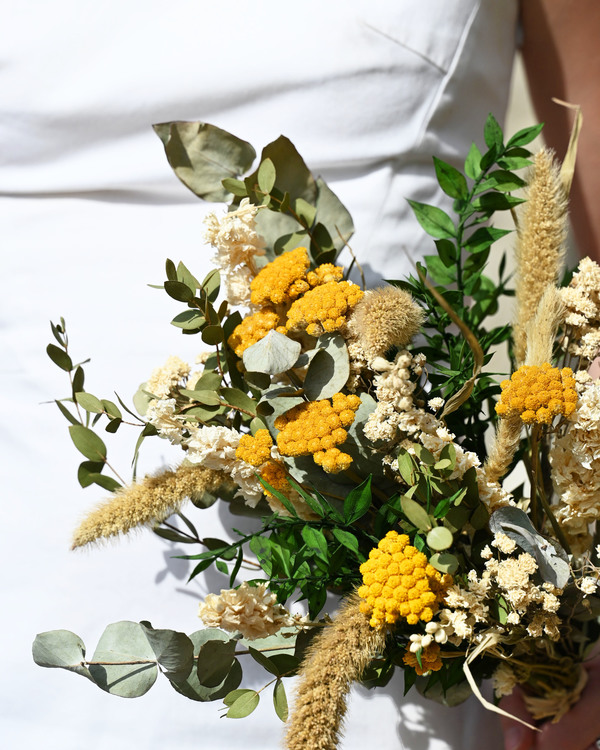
(368, 91)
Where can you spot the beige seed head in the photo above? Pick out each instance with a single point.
(385, 317)
(146, 503)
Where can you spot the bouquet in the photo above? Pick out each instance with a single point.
(369, 436)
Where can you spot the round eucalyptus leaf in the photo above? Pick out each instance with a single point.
(62, 649)
(174, 652)
(273, 354)
(439, 538)
(329, 368)
(444, 562)
(192, 688)
(124, 663)
(215, 659)
(213, 335)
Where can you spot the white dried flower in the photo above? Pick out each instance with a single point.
(588, 585)
(237, 243)
(161, 414)
(504, 543)
(435, 404)
(215, 447)
(252, 611)
(503, 680)
(164, 379)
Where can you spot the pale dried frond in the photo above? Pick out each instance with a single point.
(337, 657)
(503, 449)
(146, 503)
(540, 244)
(541, 331)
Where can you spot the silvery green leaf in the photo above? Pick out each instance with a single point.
(276, 401)
(333, 214)
(453, 695)
(552, 560)
(273, 354)
(62, 649)
(329, 368)
(202, 156)
(127, 665)
(367, 406)
(192, 688)
(439, 538)
(141, 399)
(174, 652)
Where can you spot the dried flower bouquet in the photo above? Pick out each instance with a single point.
(352, 424)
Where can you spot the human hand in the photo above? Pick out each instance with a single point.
(577, 730)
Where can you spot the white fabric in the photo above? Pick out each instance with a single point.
(367, 91)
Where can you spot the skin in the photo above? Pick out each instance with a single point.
(561, 52)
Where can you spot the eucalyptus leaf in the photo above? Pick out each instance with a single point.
(552, 560)
(333, 214)
(174, 652)
(60, 649)
(89, 403)
(439, 538)
(203, 155)
(329, 368)
(273, 354)
(59, 357)
(416, 514)
(189, 320)
(243, 705)
(280, 701)
(124, 663)
(87, 442)
(192, 688)
(444, 562)
(215, 660)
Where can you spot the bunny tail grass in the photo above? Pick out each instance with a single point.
(146, 503)
(337, 657)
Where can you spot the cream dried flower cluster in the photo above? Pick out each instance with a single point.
(251, 611)
(164, 379)
(582, 300)
(238, 243)
(575, 460)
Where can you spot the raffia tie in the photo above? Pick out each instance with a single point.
(558, 702)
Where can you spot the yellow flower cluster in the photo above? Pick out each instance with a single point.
(323, 308)
(255, 449)
(431, 661)
(282, 280)
(274, 474)
(538, 394)
(252, 329)
(316, 427)
(324, 273)
(398, 581)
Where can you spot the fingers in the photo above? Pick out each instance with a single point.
(517, 736)
(579, 729)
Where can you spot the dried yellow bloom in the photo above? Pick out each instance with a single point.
(398, 581)
(324, 308)
(324, 273)
(252, 329)
(282, 280)
(317, 427)
(538, 394)
(431, 660)
(255, 449)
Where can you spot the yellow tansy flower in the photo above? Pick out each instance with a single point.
(398, 581)
(282, 280)
(538, 394)
(324, 308)
(317, 427)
